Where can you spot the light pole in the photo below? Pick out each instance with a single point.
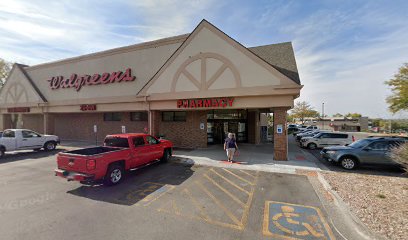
(322, 116)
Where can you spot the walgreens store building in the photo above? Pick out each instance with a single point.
(191, 89)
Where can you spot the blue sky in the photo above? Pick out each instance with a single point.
(345, 50)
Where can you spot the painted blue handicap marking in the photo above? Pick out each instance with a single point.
(291, 221)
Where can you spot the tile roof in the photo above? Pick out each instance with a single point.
(281, 56)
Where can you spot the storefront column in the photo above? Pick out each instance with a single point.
(48, 123)
(280, 140)
(254, 130)
(154, 122)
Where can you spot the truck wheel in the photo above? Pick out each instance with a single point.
(49, 146)
(348, 163)
(2, 152)
(114, 175)
(312, 146)
(166, 156)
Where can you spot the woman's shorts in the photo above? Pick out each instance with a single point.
(230, 152)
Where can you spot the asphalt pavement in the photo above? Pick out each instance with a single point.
(162, 201)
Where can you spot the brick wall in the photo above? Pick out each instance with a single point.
(6, 122)
(280, 141)
(33, 122)
(186, 134)
(79, 126)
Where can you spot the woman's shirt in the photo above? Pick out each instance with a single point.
(230, 142)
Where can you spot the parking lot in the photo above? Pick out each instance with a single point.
(162, 201)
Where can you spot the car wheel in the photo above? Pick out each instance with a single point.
(348, 163)
(49, 146)
(166, 156)
(312, 146)
(2, 153)
(114, 175)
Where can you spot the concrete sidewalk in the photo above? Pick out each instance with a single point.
(252, 157)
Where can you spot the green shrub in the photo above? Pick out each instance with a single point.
(400, 155)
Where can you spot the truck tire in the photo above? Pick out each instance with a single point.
(166, 156)
(114, 175)
(49, 146)
(2, 152)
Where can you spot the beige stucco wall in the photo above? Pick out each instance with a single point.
(209, 43)
(18, 91)
(143, 62)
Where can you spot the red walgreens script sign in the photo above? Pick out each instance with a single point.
(77, 82)
(206, 103)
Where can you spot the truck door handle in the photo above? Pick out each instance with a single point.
(24, 139)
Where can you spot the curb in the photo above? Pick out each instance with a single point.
(343, 211)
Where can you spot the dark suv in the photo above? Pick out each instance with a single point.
(370, 150)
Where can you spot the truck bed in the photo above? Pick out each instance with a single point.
(93, 151)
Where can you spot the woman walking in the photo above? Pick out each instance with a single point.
(230, 146)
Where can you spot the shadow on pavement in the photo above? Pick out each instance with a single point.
(28, 155)
(142, 186)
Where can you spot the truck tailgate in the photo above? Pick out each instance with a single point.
(72, 162)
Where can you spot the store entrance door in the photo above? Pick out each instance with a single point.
(222, 122)
(219, 129)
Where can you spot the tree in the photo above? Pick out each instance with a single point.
(399, 87)
(5, 68)
(338, 115)
(353, 115)
(303, 110)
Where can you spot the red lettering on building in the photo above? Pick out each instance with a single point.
(18, 109)
(205, 103)
(78, 82)
(88, 107)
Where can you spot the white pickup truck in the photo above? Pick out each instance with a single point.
(24, 139)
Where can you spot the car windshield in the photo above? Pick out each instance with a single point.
(116, 142)
(360, 143)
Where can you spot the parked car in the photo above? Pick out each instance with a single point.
(303, 132)
(369, 150)
(120, 152)
(24, 139)
(309, 134)
(312, 127)
(292, 130)
(325, 139)
(302, 129)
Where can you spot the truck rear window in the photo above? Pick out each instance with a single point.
(116, 142)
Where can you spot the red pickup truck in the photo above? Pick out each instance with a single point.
(119, 153)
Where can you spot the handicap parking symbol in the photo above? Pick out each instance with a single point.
(291, 221)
